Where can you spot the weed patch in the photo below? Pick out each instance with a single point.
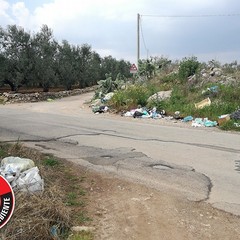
(83, 235)
(50, 161)
(61, 205)
(231, 125)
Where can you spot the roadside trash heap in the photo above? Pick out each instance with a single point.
(200, 122)
(22, 174)
(236, 116)
(142, 112)
(100, 105)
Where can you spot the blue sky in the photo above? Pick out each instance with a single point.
(110, 27)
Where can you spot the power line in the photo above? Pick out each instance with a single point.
(144, 43)
(174, 16)
(193, 16)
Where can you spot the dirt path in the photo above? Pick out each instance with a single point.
(124, 210)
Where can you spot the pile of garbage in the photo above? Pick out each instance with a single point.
(153, 113)
(100, 106)
(200, 122)
(142, 112)
(235, 115)
(22, 174)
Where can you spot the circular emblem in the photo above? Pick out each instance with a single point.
(7, 201)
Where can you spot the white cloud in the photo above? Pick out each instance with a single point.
(5, 18)
(110, 26)
(21, 14)
(3, 7)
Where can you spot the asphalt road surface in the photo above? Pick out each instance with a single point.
(198, 164)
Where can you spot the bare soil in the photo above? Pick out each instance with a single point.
(124, 210)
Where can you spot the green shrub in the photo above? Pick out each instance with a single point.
(158, 104)
(170, 78)
(118, 101)
(229, 93)
(130, 98)
(188, 67)
(178, 96)
(184, 96)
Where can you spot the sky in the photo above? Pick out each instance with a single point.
(207, 29)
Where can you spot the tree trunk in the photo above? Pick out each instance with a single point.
(45, 89)
(13, 87)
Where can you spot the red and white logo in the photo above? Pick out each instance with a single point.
(7, 201)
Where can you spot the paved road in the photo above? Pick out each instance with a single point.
(197, 164)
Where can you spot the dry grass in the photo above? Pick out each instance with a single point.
(38, 216)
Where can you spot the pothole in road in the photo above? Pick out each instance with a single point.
(237, 165)
(107, 156)
(161, 166)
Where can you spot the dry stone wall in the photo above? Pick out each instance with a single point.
(40, 96)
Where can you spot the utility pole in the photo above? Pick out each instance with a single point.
(138, 38)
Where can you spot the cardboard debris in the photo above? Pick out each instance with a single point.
(223, 119)
(204, 103)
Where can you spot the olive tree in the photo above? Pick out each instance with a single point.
(16, 64)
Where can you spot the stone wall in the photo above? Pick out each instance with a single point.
(40, 96)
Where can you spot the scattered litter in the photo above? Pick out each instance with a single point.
(198, 122)
(141, 112)
(204, 103)
(154, 114)
(213, 89)
(50, 100)
(144, 113)
(177, 115)
(203, 122)
(99, 109)
(54, 232)
(187, 119)
(128, 114)
(107, 97)
(223, 119)
(237, 124)
(168, 118)
(235, 115)
(209, 123)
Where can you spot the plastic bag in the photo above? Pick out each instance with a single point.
(16, 164)
(29, 181)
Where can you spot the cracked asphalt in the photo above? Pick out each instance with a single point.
(197, 164)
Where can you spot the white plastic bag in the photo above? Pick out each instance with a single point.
(16, 164)
(29, 181)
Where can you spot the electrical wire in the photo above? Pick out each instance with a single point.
(193, 16)
(143, 39)
(180, 16)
